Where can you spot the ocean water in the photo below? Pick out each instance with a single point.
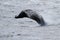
(25, 28)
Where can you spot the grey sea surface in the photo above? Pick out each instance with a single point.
(25, 28)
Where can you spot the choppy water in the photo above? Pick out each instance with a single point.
(25, 28)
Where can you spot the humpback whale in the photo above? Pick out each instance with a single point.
(31, 14)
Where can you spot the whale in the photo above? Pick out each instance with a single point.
(32, 15)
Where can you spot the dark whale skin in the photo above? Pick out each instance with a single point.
(33, 15)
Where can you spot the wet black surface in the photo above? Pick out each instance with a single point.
(25, 28)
